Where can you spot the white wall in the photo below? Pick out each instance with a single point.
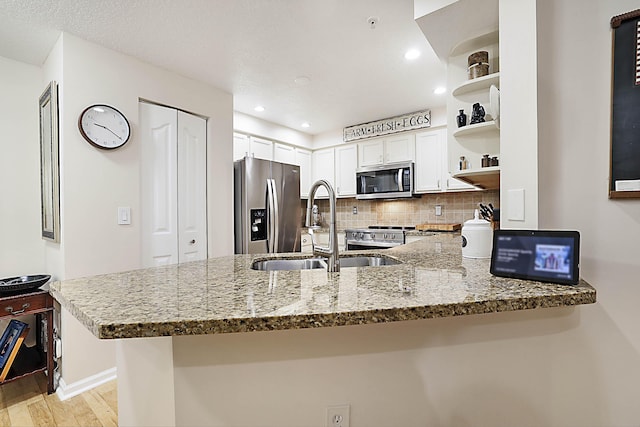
(21, 247)
(95, 182)
(518, 106)
(574, 115)
(257, 127)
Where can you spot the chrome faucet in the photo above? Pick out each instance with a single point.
(331, 252)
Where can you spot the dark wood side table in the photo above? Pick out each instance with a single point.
(31, 360)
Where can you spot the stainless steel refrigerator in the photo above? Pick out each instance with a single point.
(267, 206)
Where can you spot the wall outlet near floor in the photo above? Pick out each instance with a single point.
(355, 210)
(438, 210)
(337, 416)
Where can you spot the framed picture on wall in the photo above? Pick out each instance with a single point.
(624, 173)
(49, 164)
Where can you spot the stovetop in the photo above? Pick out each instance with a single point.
(392, 234)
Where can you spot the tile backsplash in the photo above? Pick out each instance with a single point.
(456, 208)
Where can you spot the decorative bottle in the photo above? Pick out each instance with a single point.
(462, 119)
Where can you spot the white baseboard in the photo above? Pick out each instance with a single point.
(66, 391)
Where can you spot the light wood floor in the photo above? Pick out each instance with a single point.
(25, 403)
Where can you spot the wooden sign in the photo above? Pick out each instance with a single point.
(411, 121)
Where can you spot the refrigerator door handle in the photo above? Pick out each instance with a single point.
(269, 217)
(276, 217)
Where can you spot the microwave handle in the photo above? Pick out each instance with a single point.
(400, 170)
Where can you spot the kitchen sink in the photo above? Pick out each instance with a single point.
(312, 263)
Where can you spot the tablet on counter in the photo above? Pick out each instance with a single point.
(542, 255)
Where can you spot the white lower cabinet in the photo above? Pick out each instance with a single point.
(322, 239)
(306, 243)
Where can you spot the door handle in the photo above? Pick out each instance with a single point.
(192, 242)
(24, 308)
(272, 212)
(276, 217)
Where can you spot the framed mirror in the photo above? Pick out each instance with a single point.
(49, 164)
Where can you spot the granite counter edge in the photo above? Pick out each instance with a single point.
(319, 320)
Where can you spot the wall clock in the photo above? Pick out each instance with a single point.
(104, 126)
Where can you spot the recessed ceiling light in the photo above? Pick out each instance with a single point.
(305, 125)
(259, 108)
(412, 54)
(302, 80)
(440, 90)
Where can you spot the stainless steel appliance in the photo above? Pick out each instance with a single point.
(267, 206)
(385, 182)
(375, 237)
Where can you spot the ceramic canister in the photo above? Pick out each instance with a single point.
(477, 238)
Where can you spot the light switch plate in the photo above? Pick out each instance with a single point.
(124, 215)
(515, 199)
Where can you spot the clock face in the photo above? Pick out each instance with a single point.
(104, 126)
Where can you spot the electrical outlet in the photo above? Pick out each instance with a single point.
(337, 416)
(438, 210)
(355, 210)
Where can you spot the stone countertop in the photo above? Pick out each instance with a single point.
(224, 295)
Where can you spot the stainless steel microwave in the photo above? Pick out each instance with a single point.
(385, 182)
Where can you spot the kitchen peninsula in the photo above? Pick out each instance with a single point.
(225, 295)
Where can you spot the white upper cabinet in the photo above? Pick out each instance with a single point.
(400, 148)
(250, 146)
(303, 159)
(394, 149)
(428, 172)
(346, 164)
(261, 148)
(284, 154)
(323, 167)
(240, 146)
(431, 165)
(371, 153)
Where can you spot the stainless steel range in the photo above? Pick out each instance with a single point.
(375, 237)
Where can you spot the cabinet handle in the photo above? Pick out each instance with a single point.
(192, 242)
(24, 308)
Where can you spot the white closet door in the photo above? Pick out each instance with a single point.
(159, 169)
(192, 190)
(173, 186)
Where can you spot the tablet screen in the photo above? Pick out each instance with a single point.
(546, 256)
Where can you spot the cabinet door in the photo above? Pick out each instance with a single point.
(284, 154)
(240, 146)
(346, 162)
(303, 159)
(322, 168)
(399, 148)
(428, 161)
(371, 153)
(261, 148)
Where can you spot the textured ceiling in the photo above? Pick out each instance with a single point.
(254, 49)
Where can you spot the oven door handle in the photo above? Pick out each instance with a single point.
(400, 170)
(373, 245)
